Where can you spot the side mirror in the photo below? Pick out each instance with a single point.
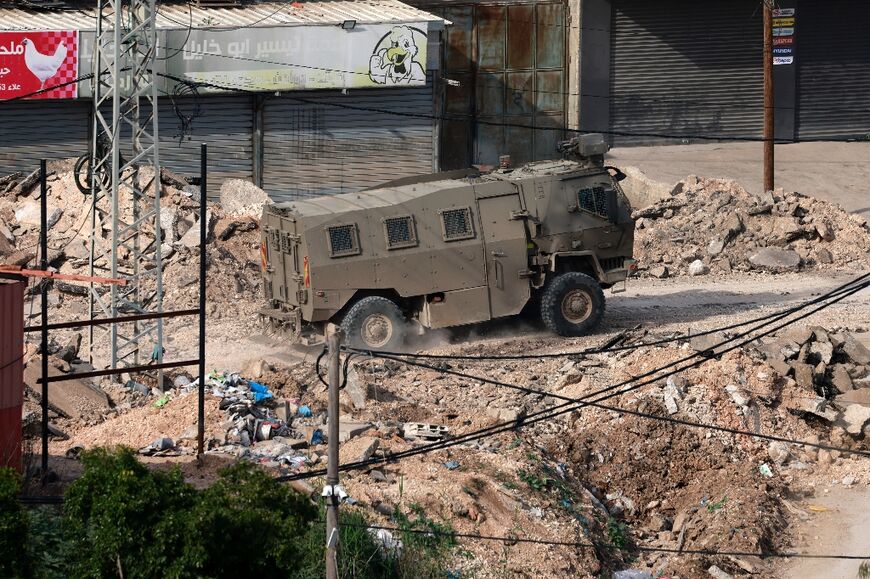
(617, 174)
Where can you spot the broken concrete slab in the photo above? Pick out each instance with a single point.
(775, 260)
(861, 396)
(707, 341)
(75, 398)
(348, 429)
(823, 350)
(857, 351)
(191, 238)
(854, 418)
(240, 197)
(659, 271)
(698, 267)
(840, 378)
(804, 375)
(356, 389)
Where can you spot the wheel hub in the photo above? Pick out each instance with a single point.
(576, 306)
(377, 330)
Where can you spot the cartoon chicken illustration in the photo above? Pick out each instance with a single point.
(397, 63)
(43, 66)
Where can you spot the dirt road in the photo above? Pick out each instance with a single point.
(840, 529)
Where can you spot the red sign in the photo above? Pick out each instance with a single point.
(783, 40)
(32, 61)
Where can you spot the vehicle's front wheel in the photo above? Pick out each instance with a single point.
(375, 323)
(572, 304)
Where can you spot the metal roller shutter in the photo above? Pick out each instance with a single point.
(225, 124)
(833, 60)
(681, 68)
(312, 148)
(42, 129)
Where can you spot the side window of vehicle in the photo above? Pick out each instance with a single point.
(456, 224)
(343, 240)
(594, 200)
(400, 232)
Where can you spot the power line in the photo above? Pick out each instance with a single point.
(513, 539)
(839, 294)
(719, 104)
(466, 119)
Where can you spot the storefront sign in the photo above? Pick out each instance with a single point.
(35, 60)
(783, 36)
(299, 57)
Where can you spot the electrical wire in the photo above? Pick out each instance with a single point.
(838, 294)
(512, 539)
(478, 121)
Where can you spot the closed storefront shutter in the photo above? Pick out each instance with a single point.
(833, 60)
(224, 123)
(682, 69)
(37, 130)
(312, 148)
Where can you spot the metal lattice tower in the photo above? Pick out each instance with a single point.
(126, 172)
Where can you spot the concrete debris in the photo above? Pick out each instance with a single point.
(240, 197)
(424, 431)
(854, 418)
(773, 259)
(739, 231)
(698, 267)
(717, 573)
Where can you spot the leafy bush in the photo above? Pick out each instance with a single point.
(121, 518)
(13, 527)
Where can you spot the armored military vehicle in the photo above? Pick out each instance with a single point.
(450, 249)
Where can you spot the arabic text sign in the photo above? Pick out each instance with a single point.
(35, 60)
(302, 57)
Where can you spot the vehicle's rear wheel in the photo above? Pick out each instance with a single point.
(375, 323)
(572, 304)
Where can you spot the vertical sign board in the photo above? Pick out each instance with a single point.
(36, 60)
(783, 36)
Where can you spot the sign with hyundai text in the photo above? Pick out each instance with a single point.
(34, 61)
(783, 36)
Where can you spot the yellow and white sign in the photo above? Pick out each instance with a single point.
(300, 57)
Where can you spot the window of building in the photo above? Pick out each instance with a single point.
(400, 232)
(456, 224)
(343, 240)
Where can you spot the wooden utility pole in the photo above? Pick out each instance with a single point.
(331, 492)
(768, 96)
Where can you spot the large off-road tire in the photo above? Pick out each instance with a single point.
(572, 304)
(375, 323)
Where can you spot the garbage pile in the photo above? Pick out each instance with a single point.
(714, 225)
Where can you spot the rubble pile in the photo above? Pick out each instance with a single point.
(233, 240)
(714, 225)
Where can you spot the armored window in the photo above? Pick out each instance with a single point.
(343, 240)
(456, 224)
(400, 232)
(593, 200)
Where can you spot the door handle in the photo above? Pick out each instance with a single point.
(497, 253)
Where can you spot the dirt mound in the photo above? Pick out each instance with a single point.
(719, 224)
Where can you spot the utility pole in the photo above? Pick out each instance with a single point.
(768, 96)
(332, 492)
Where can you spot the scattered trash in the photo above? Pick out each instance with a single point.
(74, 452)
(317, 437)
(425, 431)
(162, 402)
(632, 574)
(818, 508)
(452, 464)
(260, 392)
(304, 411)
(764, 469)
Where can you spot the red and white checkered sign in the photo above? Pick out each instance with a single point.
(35, 64)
